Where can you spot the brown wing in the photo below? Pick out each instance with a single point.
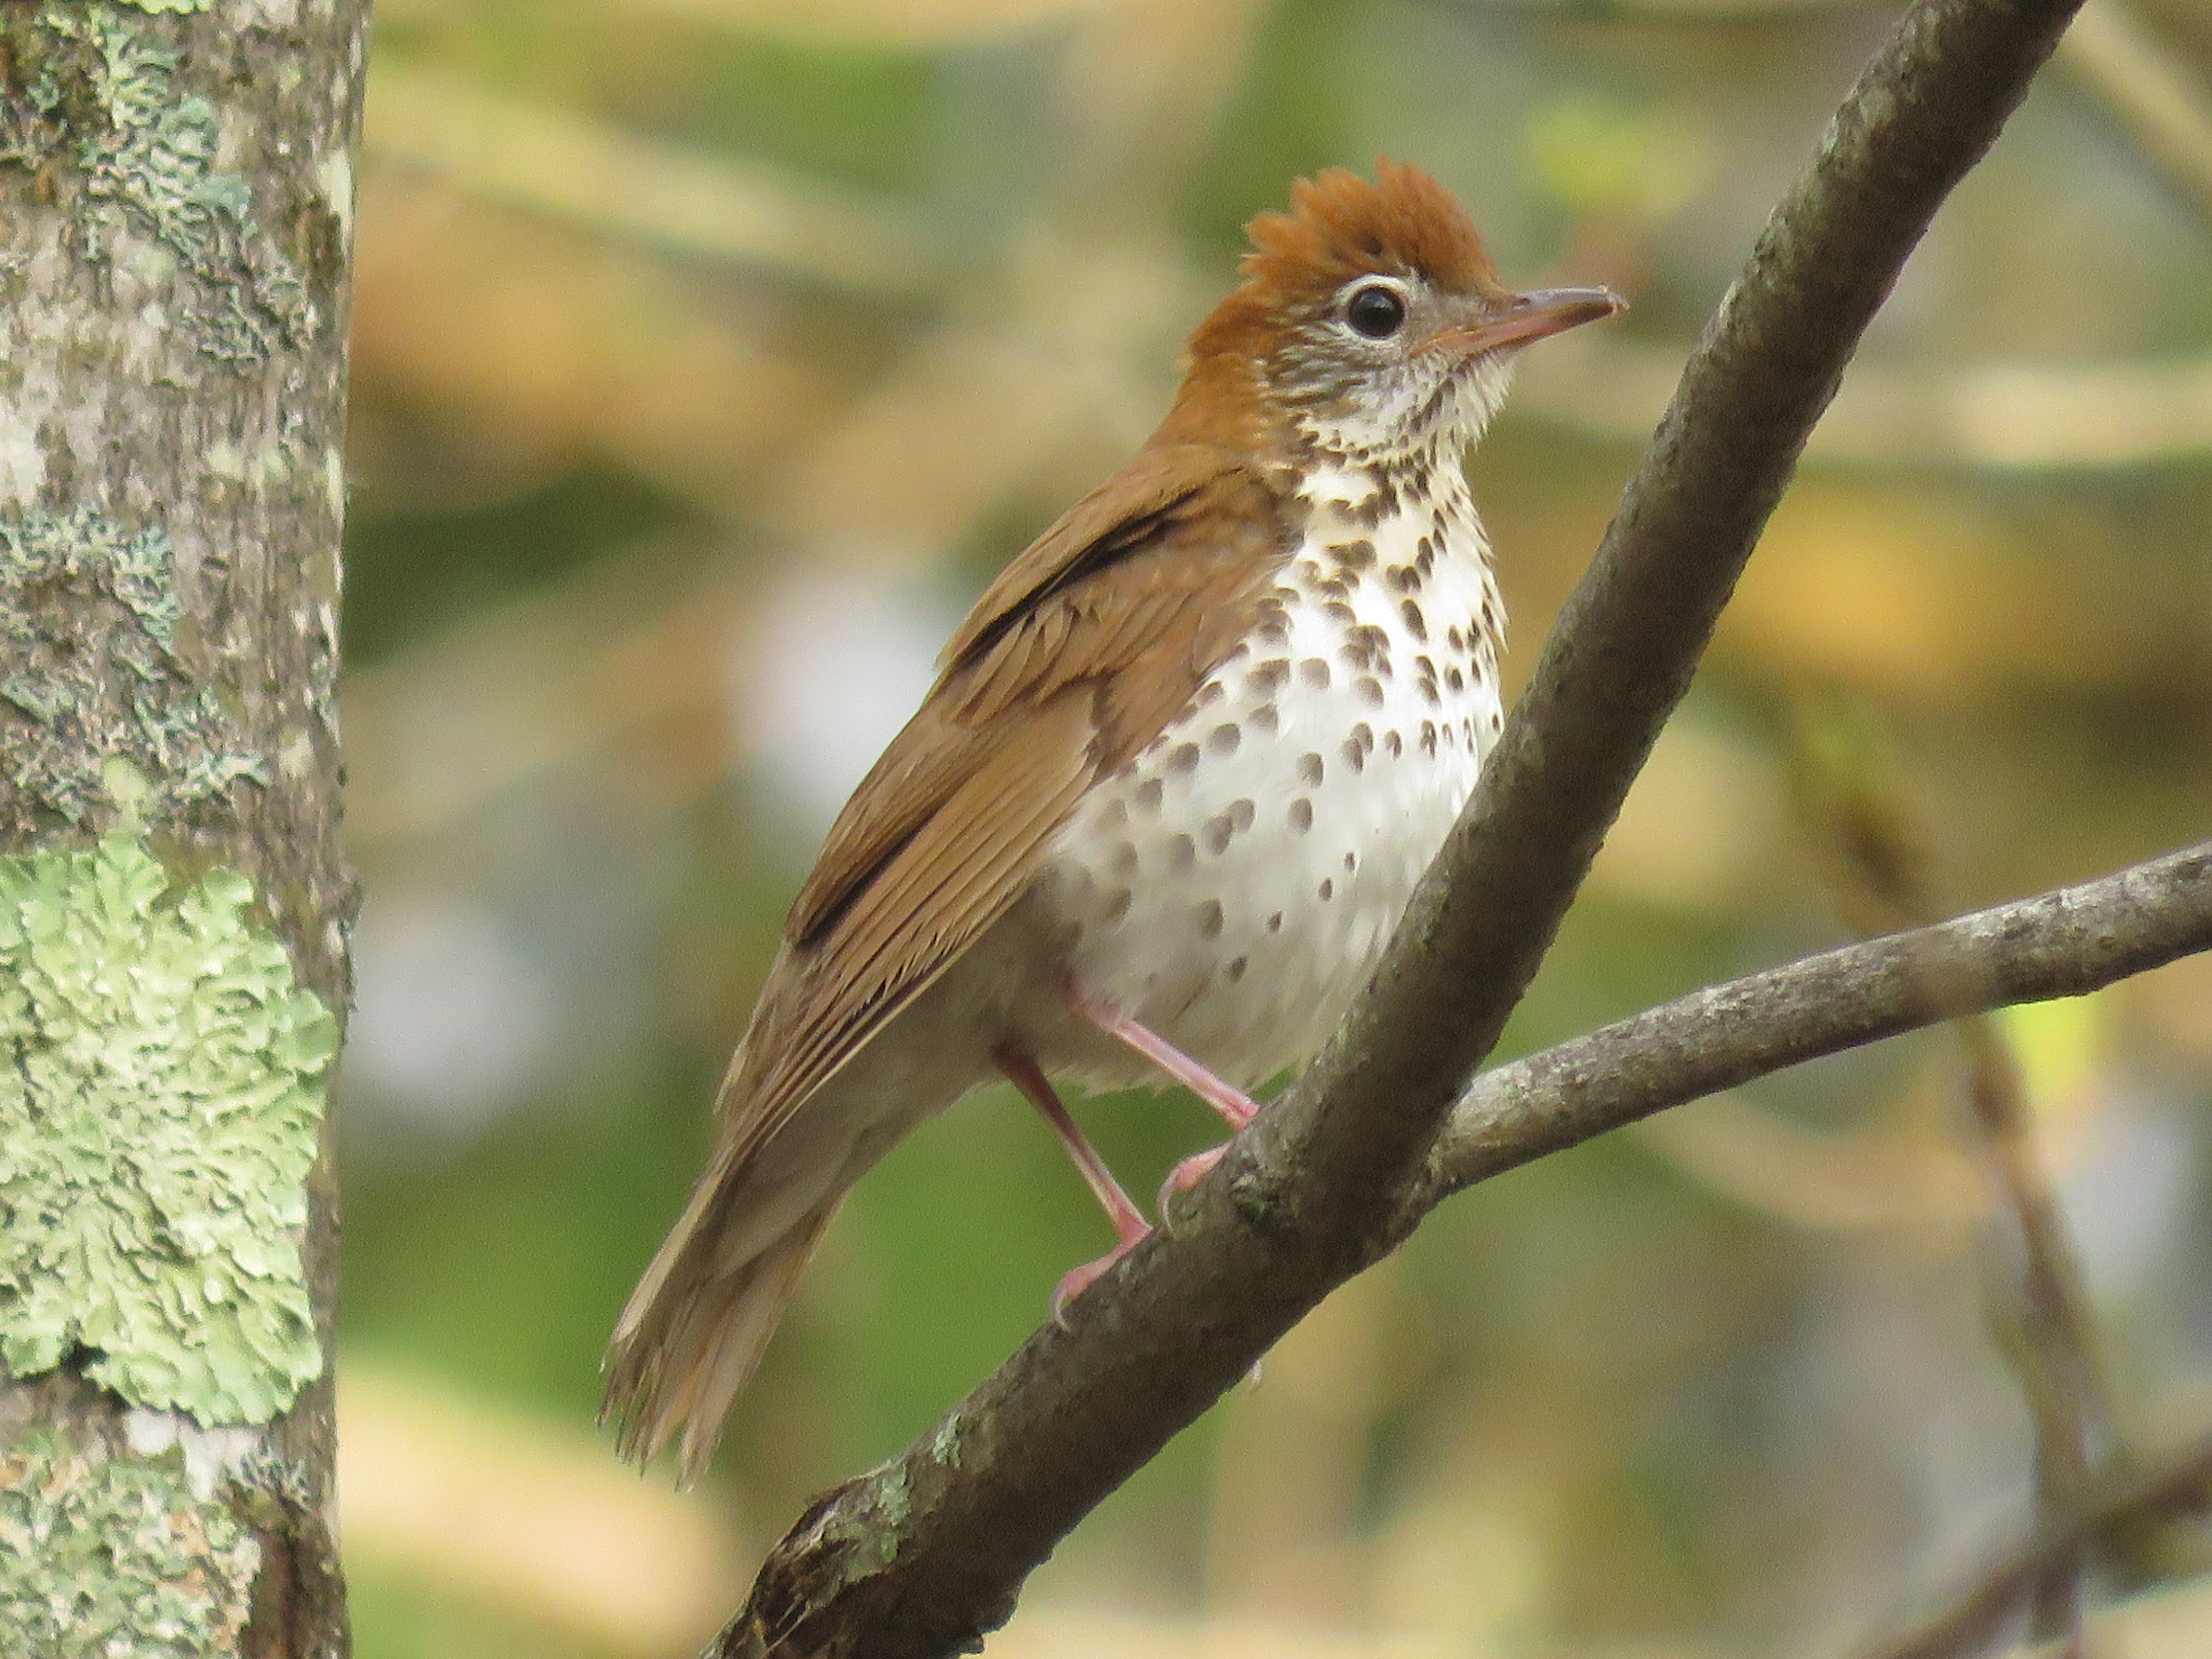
(1081, 652)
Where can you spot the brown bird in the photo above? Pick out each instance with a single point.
(1183, 764)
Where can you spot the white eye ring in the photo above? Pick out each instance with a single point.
(1375, 308)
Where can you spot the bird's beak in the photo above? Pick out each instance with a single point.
(1532, 316)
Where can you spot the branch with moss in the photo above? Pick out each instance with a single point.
(923, 1556)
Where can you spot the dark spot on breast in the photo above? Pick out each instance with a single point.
(1209, 919)
(1327, 890)
(1301, 815)
(1118, 905)
(1429, 690)
(1427, 559)
(1310, 770)
(1276, 922)
(1369, 689)
(1454, 639)
(1124, 861)
(1211, 691)
(1356, 747)
(1183, 757)
(1218, 831)
(1148, 795)
(1336, 587)
(1410, 613)
(1454, 679)
(1235, 971)
(1394, 743)
(1240, 814)
(1428, 737)
(1314, 670)
(1182, 852)
(1337, 610)
(1225, 737)
(1376, 508)
(1114, 814)
(1263, 718)
(1354, 556)
(1267, 677)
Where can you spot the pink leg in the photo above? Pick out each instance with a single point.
(1129, 1225)
(1237, 1107)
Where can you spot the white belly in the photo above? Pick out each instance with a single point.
(1235, 886)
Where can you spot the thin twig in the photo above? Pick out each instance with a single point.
(2053, 1343)
(2178, 1487)
(2062, 943)
(1880, 846)
(2160, 102)
(923, 1556)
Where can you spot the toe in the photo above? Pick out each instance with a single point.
(1188, 1174)
(1079, 1279)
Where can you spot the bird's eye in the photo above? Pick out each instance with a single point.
(1376, 311)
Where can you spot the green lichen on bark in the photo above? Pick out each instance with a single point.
(102, 92)
(116, 1557)
(162, 1083)
(89, 658)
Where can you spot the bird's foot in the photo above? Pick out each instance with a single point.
(1077, 1280)
(1188, 1174)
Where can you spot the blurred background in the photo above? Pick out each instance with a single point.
(709, 354)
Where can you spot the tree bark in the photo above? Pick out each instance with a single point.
(175, 224)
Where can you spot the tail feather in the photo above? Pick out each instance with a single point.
(695, 1329)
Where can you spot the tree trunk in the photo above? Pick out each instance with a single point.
(175, 223)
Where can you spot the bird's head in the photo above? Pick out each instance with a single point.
(1371, 320)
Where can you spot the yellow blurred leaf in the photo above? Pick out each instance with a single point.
(2060, 1047)
(1593, 155)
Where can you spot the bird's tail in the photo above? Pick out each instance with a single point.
(696, 1325)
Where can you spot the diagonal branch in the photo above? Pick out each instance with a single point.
(2065, 943)
(923, 1556)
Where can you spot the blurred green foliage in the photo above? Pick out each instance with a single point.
(659, 510)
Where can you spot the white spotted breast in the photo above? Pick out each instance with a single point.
(1233, 886)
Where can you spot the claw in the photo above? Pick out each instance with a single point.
(1077, 1280)
(1188, 1174)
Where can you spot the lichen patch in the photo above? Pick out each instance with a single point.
(115, 1557)
(161, 1085)
(148, 153)
(91, 671)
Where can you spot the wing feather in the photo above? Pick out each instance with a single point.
(1057, 677)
